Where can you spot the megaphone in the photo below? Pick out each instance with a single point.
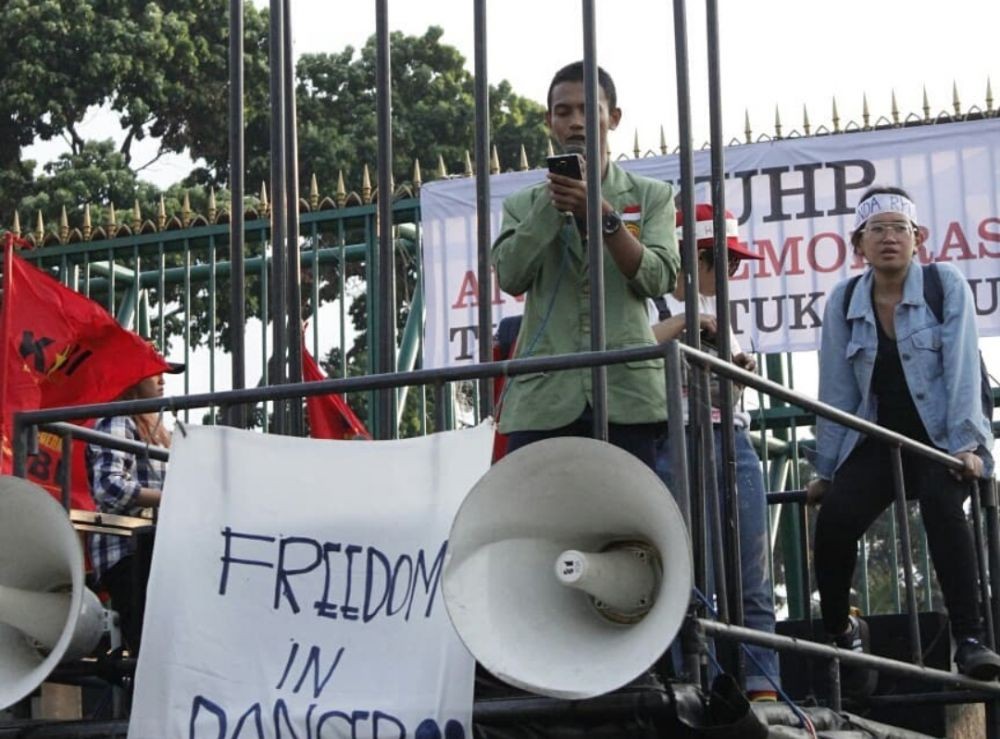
(569, 568)
(47, 615)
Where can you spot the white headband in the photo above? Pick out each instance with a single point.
(884, 202)
(706, 229)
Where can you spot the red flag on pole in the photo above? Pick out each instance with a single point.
(330, 417)
(60, 348)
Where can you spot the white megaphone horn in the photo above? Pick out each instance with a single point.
(47, 615)
(569, 568)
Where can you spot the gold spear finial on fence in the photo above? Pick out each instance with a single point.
(777, 123)
(340, 196)
(494, 160)
(366, 186)
(468, 164)
(747, 131)
(635, 144)
(213, 210)
(805, 120)
(522, 163)
(265, 208)
(63, 226)
(865, 115)
(836, 116)
(161, 215)
(551, 151)
(313, 192)
(16, 227)
(989, 96)
(87, 227)
(927, 107)
(186, 210)
(136, 217)
(418, 179)
(663, 141)
(442, 171)
(112, 220)
(39, 230)
(955, 103)
(895, 109)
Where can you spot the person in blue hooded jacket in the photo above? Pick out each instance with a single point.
(886, 358)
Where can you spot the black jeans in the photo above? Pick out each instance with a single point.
(127, 599)
(860, 490)
(637, 438)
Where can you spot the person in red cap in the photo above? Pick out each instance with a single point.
(762, 676)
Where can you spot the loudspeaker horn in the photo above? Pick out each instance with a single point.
(47, 615)
(569, 568)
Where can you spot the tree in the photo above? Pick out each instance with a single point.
(161, 67)
(433, 110)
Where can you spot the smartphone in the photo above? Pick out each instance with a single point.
(567, 165)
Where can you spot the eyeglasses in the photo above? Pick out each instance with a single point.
(897, 228)
(734, 264)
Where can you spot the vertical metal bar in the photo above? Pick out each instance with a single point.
(20, 446)
(237, 273)
(834, 673)
(162, 288)
(212, 318)
(866, 600)
(731, 506)
(676, 438)
(187, 322)
(386, 309)
(279, 209)
(266, 263)
(902, 514)
(981, 558)
(925, 569)
(66, 463)
(595, 241)
(111, 281)
(483, 234)
(440, 417)
(989, 495)
(690, 273)
(296, 423)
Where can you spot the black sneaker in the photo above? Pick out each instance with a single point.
(856, 681)
(974, 659)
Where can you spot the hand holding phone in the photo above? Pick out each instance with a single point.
(567, 165)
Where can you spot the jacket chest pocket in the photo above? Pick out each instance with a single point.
(860, 359)
(927, 352)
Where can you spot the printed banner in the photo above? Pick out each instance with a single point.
(794, 200)
(296, 589)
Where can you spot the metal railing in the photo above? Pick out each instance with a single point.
(692, 501)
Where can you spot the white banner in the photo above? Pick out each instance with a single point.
(795, 202)
(296, 589)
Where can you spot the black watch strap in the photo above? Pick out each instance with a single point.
(611, 223)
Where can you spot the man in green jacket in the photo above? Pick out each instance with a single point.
(542, 251)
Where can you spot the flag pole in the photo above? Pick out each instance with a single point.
(8, 268)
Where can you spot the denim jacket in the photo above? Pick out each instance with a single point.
(940, 362)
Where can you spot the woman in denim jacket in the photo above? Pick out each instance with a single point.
(887, 359)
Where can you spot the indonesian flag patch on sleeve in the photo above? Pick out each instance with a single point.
(631, 216)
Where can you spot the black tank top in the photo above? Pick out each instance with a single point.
(896, 410)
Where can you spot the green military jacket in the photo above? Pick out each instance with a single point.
(540, 252)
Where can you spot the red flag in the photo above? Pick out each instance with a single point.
(329, 415)
(60, 348)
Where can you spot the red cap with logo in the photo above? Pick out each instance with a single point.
(704, 231)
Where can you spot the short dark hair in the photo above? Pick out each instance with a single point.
(876, 190)
(574, 73)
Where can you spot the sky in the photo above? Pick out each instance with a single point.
(775, 54)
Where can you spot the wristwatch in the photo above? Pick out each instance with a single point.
(611, 222)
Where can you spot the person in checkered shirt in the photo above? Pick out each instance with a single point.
(126, 484)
